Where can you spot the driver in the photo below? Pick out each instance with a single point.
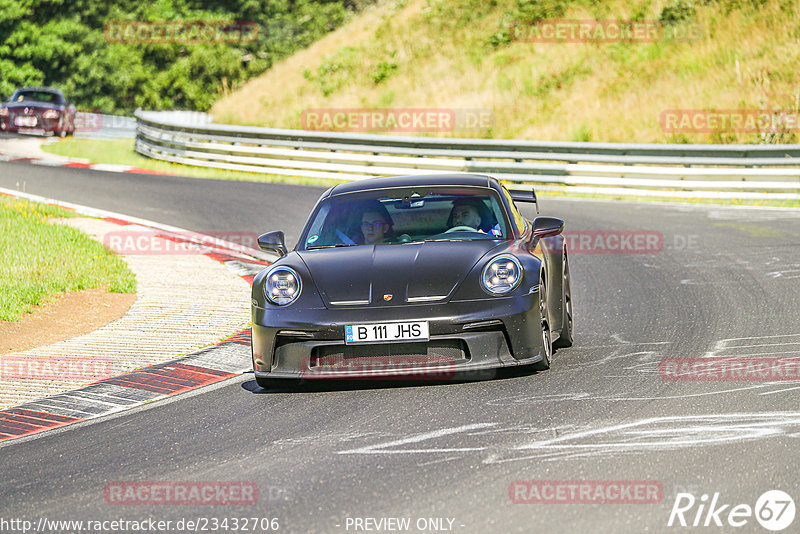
(467, 212)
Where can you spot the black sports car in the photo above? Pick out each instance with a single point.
(413, 277)
(38, 110)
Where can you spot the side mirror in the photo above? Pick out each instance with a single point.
(547, 226)
(274, 242)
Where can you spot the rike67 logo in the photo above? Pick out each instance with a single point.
(774, 510)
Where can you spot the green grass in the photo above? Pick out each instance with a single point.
(121, 152)
(41, 258)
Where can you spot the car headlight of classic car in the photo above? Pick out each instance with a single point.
(501, 275)
(282, 285)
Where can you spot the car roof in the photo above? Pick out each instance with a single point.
(424, 180)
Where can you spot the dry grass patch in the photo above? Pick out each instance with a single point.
(452, 54)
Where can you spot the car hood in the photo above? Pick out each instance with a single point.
(393, 275)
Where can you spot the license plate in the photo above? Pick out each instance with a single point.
(25, 121)
(386, 332)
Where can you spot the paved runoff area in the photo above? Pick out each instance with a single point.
(188, 327)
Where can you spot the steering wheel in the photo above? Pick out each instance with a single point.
(460, 229)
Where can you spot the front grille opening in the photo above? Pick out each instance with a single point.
(390, 356)
(286, 337)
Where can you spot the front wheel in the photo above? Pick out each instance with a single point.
(547, 344)
(565, 340)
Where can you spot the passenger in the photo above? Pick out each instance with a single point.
(376, 224)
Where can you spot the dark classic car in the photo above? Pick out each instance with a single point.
(38, 110)
(412, 277)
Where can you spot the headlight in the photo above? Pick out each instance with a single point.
(50, 114)
(501, 275)
(3, 112)
(282, 285)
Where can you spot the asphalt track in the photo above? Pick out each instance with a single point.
(725, 283)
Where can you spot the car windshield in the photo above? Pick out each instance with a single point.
(36, 96)
(394, 217)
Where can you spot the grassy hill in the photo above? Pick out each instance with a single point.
(461, 54)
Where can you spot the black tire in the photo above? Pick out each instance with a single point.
(566, 339)
(547, 343)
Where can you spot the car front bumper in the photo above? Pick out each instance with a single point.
(465, 337)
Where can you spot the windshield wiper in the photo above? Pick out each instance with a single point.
(337, 245)
(459, 239)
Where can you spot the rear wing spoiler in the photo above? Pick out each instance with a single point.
(520, 195)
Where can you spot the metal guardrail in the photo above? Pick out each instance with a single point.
(743, 171)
